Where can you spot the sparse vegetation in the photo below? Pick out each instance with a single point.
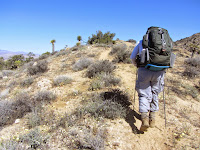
(44, 55)
(11, 110)
(7, 72)
(27, 82)
(82, 64)
(100, 67)
(37, 67)
(121, 53)
(44, 96)
(34, 139)
(62, 80)
(132, 41)
(100, 38)
(192, 68)
(103, 80)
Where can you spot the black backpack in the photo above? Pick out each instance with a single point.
(157, 50)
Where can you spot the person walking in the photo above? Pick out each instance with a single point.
(150, 82)
(148, 85)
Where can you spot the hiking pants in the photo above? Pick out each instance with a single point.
(148, 86)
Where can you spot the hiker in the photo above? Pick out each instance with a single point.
(150, 80)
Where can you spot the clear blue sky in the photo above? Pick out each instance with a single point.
(30, 25)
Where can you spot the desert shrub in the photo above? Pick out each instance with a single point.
(44, 96)
(7, 72)
(106, 38)
(190, 90)
(27, 82)
(191, 72)
(44, 55)
(103, 80)
(11, 110)
(40, 67)
(12, 84)
(75, 48)
(109, 79)
(121, 53)
(41, 116)
(82, 64)
(78, 44)
(117, 48)
(81, 137)
(96, 84)
(34, 118)
(107, 109)
(6, 112)
(61, 53)
(132, 41)
(192, 68)
(34, 139)
(99, 67)
(62, 80)
(12, 145)
(111, 104)
(123, 56)
(195, 62)
(118, 96)
(87, 138)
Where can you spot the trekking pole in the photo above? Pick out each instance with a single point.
(164, 106)
(135, 88)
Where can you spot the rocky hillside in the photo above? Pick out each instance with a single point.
(186, 42)
(84, 98)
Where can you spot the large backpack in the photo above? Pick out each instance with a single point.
(157, 49)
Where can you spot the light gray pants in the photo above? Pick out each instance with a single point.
(148, 86)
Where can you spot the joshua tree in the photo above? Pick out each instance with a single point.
(79, 38)
(52, 42)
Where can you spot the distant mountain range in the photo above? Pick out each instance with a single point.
(6, 54)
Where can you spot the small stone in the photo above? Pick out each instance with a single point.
(17, 120)
(116, 144)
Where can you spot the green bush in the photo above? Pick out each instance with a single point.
(100, 67)
(101, 38)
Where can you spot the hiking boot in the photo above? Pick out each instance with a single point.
(145, 121)
(152, 121)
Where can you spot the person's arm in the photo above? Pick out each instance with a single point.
(134, 54)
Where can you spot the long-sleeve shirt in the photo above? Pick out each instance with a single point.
(138, 49)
